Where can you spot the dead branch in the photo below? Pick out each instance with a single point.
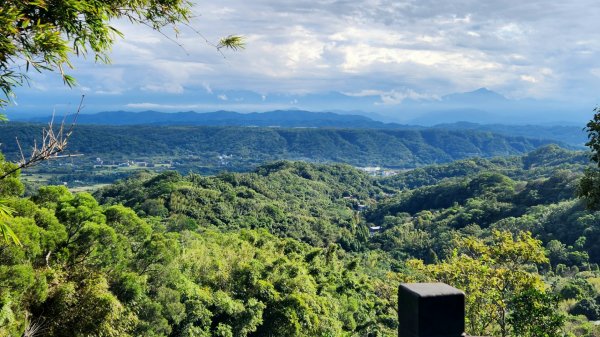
(53, 143)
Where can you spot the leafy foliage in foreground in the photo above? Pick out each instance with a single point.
(47, 35)
(92, 270)
(501, 293)
(289, 250)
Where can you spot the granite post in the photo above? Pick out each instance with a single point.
(430, 310)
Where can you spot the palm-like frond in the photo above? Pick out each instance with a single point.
(234, 42)
(5, 231)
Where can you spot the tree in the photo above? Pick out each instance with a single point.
(535, 314)
(586, 307)
(493, 274)
(589, 186)
(43, 34)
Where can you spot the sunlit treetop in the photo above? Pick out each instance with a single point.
(46, 34)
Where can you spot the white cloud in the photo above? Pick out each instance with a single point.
(147, 105)
(595, 72)
(510, 31)
(537, 48)
(528, 78)
(242, 107)
(393, 97)
(108, 92)
(171, 88)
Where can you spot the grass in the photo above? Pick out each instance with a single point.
(87, 188)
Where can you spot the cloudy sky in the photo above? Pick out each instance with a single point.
(369, 55)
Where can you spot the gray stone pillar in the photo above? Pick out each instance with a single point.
(430, 310)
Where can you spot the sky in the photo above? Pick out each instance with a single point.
(381, 57)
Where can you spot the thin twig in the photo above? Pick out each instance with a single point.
(51, 146)
(20, 149)
(167, 37)
(205, 39)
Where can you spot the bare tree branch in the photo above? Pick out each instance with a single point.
(52, 144)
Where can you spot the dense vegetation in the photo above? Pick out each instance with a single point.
(572, 135)
(568, 134)
(85, 269)
(291, 248)
(198, 149)
(300, 249)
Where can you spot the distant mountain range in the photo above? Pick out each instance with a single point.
(279, 118)
(481, 106)
(572, 135)
(485, 106)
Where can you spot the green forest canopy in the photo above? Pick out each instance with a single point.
(284, 250)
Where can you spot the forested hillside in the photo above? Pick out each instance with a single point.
(195, 147)
(292, 223)
(301, 249)
(282, 118)
(568, 134)
(535, 164)
(319, 204)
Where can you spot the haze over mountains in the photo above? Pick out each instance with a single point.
(480, 110)
(485, 106)
(279, 118)
(566, 134)
(479, 106)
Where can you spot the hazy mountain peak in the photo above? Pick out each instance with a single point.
(483, 91)
(478, 96)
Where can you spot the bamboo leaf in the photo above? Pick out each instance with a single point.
(233, 42)
(9, 235)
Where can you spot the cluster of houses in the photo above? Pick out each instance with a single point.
(128, 163)
(360, 208)
(377, 171)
